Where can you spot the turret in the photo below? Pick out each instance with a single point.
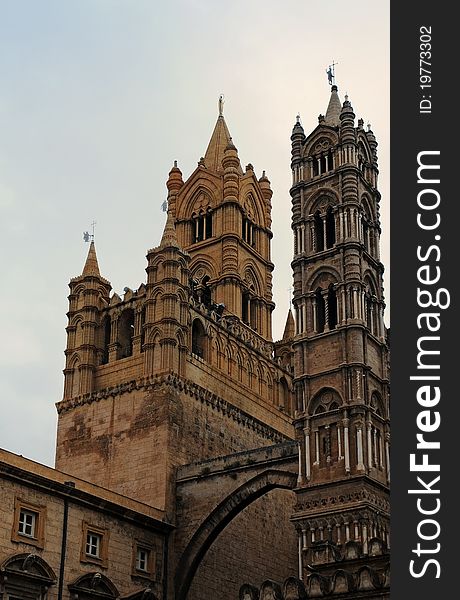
(89, 293)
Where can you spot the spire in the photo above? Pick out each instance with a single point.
(169, 238)
(289, 329)
(220, 138)
(91, 266)
(332, 117)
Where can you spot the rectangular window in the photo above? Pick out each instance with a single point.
(27, 522)
(93, 544)
(142, 559)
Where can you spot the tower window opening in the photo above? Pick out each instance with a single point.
(246, 301)
(332, 307)
(323, 164)
(143, 313)
(106, 331)
(330, 160)
(206, 298)
(249, 308)
(208, 227)
(200, 234)
(320, 311)
(315, 167)
(198, 339)
(319, 232)
(330, 228)
(202, 226)
(248, 232)
(126, 333)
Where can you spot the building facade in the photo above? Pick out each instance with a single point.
(193, 452)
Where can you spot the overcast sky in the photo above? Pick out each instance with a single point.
(98, 97)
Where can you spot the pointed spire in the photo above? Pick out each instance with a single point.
(91, 267)
(289, 329)
(169, 238)
(220, 139)
(332, 117)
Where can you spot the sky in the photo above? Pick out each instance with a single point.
(99, 97)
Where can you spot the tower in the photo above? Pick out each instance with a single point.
(340, 344)
(182, 369)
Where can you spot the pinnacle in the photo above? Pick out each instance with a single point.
(169, 238)
(332, 117)
(91, 265)
(289, 329)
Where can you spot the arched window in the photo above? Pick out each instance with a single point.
(106, 333)
(330, 228)
(208, 225)
(319, 232)
(249, 308)
(26, 576)
(143, 313)
(285, 395)
(126, 333)
(323, 168)
(366, 235)
(202, 226)
(320, 311)
(332, 307)
(320, 409)
(206, 292)
(198, 339)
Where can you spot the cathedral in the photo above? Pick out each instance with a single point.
(195, 455)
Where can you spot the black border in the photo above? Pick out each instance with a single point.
(412, 132)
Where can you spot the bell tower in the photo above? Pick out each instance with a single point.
(340, 343)
(223, 220)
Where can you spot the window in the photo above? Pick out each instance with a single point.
(93, 544)
(27, 522)
(94, 547)
(143, 560)
(28, 525)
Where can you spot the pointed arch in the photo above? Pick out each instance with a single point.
(220, 517)
(199, 339)
(328, 398)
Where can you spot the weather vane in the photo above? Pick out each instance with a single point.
(331, 73)
(87, 236)
(221, 105)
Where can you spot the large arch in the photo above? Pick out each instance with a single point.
(220, 517)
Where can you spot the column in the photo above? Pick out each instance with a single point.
(365, 547)
(338, 534)
(359, 446)
(307, 453)
(369, 444)
(300, 557)
(345, 217)
(380, 444)
(346, 444)
(339, 441)
(315, 324)
(375, 447)
(302, 237)
(355, 303)
(316, 447)
(344, 305)
(326, 310)
(387, 455)
(300, 477)
(304, 314)
(304, 539)
(327, 162)
(312, 238)
(347, 531)
(356, 527)
(341, 235)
